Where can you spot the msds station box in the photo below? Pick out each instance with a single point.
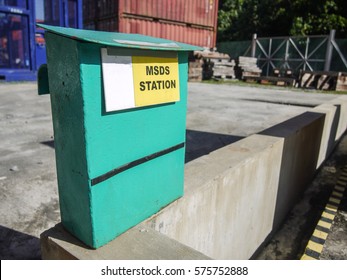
(119, 115)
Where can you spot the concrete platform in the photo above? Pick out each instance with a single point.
(138, 243)
(218, 115)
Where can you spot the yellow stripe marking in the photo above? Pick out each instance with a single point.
(335, 200)
(307, 257)
(320, 234)
(324, 224)
(338, 188)
(341, 182)
(343, 177)
(315, 246)
(338, 194)
(331, 207)
(327, 215)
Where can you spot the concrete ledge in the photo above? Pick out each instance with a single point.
(138, 243)
(302, 141)
(341, 104)
(229, 201)
(235, 197)
(329, 130)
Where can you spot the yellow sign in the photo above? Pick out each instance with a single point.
(155, 80)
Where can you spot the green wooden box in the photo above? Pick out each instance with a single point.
(119, 112)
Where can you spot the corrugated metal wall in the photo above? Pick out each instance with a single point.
(97, 9)
(180, 33)
(188, 21)
(198, 12)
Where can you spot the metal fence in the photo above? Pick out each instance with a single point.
(310, 53)
(235, 48)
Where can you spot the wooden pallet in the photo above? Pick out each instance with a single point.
(323, 80)
(278, 81)
(246, 67)
(341, 84)
(223, 77)
(223, 71)
(266, 80)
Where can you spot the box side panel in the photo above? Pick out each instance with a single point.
(67, 112)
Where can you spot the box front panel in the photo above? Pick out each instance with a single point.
(119, 137)
(136, 194)
(135, 156)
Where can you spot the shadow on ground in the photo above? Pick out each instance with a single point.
(16, 245)
(200, 143)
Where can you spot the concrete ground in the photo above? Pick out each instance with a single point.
(217, 116)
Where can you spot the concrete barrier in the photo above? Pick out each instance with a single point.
(138, 243)
(329, 130)
(302, 140)
(238, 195)
(229, 201)
(341, 104)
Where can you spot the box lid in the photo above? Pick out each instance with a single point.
(122, 40)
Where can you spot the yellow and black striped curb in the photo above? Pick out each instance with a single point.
(315, 245)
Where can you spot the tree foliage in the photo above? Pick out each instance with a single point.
(239, 19)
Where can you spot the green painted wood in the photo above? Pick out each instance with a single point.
(90, 142)
(140, 131)
(69, 136)
(130, 197)
(42, 80)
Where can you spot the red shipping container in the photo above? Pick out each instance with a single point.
(188, 21)
(196, 12)
(181, 33)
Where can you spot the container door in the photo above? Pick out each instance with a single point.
(14, 41)
(65, 13)
(72, 13)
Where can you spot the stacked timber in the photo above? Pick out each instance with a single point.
(207, 65)
(246, 68)
(195, 70)
(212, 64)
(341, 84)
(207, 69)
(223, 69)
